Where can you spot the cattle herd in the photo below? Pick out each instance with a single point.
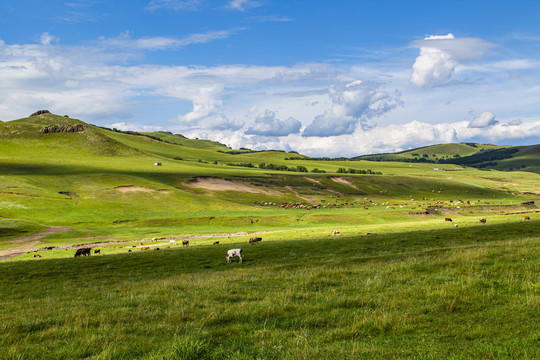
(233, 252)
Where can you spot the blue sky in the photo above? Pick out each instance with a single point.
(323, 78)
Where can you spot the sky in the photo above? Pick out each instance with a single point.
(341, 78)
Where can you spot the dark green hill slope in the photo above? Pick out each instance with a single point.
(481, 156)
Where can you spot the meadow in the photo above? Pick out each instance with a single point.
(400, 282)
(427, 294)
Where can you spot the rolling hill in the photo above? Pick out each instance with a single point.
(104, 184)
(482, 156)
(413, 273)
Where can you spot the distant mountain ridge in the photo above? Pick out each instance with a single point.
(104, 141)
(481, 156)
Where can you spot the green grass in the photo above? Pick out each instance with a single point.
(432, 294)
(416, 288)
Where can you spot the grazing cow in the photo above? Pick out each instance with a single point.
(448, 219)
(335, 232)
(37, 255)
(156, 249)
(456, 225)
(369, 233)
(234, 253)
(83, 252)
(145, 248)
(254, 240)
(216, 243)
(172, 242)
(482, 221)
(185, 242)
(526, 218)
(129, 250)
(97, 251)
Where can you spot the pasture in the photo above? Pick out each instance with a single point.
(470, 292)
(415, 287)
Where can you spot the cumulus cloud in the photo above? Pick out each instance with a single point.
(485, 119)
(382, 139)
(206, 101)
(352, 105)
(433, 67)
(441, 54)
(267, 124)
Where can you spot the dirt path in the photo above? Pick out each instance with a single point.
(27, 243)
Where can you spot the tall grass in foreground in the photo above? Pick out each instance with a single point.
(470, 293)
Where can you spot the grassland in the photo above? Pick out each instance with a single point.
(468, 293)
(418, 287)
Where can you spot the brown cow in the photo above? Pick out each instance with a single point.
(482, 221)
(145, 248)
(526, 218)
(83, 252)
(254, 240)
(97, 251)
(185, 242)
(37, 255)
(447, 219)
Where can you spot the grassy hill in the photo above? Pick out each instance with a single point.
(399, 282)
(483, 156)
(103, 184)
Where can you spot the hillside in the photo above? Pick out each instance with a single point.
(482, 156)
(358, 259)
(104, 185)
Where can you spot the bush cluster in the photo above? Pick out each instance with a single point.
(355, 171)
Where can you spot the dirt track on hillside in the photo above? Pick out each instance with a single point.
(29, 242)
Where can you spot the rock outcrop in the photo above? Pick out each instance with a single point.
(40, 112)
(51, 129)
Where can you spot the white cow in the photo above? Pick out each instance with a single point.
(172, 242)
(336, 233)
(234, 253)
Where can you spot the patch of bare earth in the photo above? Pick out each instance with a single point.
(346, 182)
(131, 188)
(216, 184)
(313, 180)
(28, 243)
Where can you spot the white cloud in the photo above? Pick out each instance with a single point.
(213, 102)
(206, 101)
(433, 67)
(267, 124)
(126, 41)
(440, 37)
(485, 119)
(47, 38)
(439, 56)
(352, 105)
(382, 139)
